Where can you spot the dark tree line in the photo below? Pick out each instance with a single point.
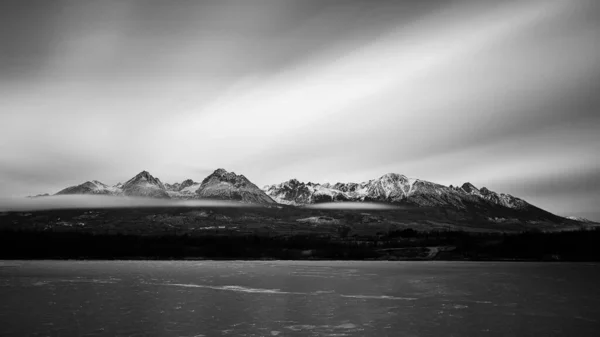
(574, 246)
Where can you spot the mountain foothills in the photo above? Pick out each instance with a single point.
(391, 188)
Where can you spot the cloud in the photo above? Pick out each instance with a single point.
(96, 202)
(343, 91)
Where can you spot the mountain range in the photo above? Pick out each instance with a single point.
(398, 189)
(220, 184)
(391, 188)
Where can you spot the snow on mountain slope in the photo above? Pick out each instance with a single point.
(397, 188)
(219, 185)
(390, 188)
(145, 185)
(579, 219)
(90, 187)
(230, 186)
(189, 186)
(173, 187)
(184, 190)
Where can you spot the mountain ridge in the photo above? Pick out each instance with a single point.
(221, 184)
(396, 188)
(392, 188)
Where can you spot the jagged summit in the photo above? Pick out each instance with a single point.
(225, 176)
(392, 188)
(144, 176)
(145, 185)
(294, 181)
(397, 188)
(184, 190)
(220, 171)
(222, 184)
(469, 188)
(393, 176)
(186, 183)
(295, 193)
(172, 187)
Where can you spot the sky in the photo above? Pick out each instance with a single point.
(503, 94)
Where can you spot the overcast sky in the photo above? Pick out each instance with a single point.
(504, 94)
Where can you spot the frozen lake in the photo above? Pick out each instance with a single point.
(298, 298)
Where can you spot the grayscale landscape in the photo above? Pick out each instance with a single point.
(299, 168)
(298, 298)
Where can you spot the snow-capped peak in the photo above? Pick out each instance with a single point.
(145, 185)
(395, 188)
(228, 185)
(470, 188)
(89, 187)
(146, 178)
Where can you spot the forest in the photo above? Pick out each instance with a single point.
(406, 244)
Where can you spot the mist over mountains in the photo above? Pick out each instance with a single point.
(220, 185)
(392, 189)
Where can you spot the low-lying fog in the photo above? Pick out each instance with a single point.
(101, 201)
(352, 205)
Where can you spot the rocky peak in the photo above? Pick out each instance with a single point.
(485, 191)
(172, 187)
(228, 185)
(469, 188)
(145, 185)
(220, 171)
(293, 181)
(88, 184)
(186, 183)
(393, 177)
(141, 177)
(221, 175)
(89, 187)
(345, 187)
